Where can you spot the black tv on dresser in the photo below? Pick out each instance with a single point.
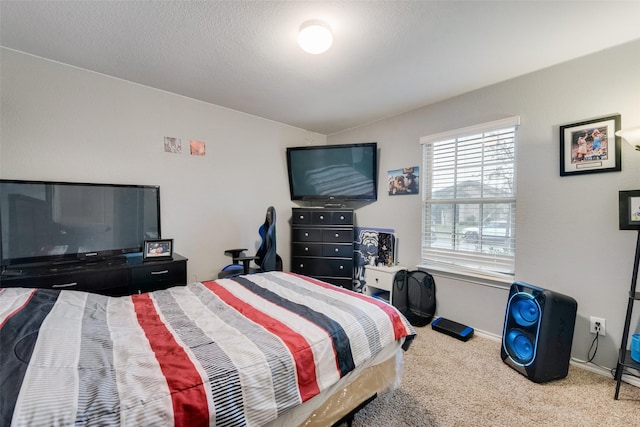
(44, 223)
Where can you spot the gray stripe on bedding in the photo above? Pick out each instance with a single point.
(283, 374)
(366, 322)
(224, 380)
(98, 390)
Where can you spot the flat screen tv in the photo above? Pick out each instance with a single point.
(44, 222)
(333, 172)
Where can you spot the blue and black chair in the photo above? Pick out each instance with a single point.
(265, 259)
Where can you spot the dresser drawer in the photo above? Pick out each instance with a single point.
(109, 282)
(307, 235)
(156, 275)
(342, 218)
(301, 217)
(344, 235)
(332, 267)
(307, 249)
(337, 268)
(321, 218)
(328, 217)
(337, 250)
(379, 279)
(302, 265)
(322, 266)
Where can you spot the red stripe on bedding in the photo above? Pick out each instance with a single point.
(17, 310)
(190, 405)
(296, 343)
(399, 328)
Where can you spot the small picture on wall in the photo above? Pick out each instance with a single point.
(403, 181)
(172, 145)
(629, 205)
(197, 148)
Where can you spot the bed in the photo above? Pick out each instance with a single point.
(263, 349)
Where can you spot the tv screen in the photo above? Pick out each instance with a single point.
(333, 172)
(49, 221)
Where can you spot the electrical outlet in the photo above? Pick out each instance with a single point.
(597, 325)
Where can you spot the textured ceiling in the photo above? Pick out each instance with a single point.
(388, 57)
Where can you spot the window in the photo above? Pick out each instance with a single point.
(469, 202)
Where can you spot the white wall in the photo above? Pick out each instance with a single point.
(66, 124)
(568, 237)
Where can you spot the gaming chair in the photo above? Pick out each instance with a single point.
(266, 257)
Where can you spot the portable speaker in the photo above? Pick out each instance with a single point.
(538, 332)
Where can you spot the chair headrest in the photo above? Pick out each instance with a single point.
(271, 215)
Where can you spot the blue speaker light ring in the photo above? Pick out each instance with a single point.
(525, 310)
(520, 347)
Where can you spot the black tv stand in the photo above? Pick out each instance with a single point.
(123, 275)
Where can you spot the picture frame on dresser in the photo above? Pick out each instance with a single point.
(155, 249)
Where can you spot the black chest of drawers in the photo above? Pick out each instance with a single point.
(322, 244)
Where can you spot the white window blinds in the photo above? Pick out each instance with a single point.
(469, 202)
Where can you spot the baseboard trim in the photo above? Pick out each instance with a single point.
(489, 335)
(629, 379)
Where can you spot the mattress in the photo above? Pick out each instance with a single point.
(236, 351)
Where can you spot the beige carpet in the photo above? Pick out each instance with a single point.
(447, 382)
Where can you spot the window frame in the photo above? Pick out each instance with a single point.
(453, 261)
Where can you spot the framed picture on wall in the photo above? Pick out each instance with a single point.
(404, 180)
(157, 249)
(590, 146)
(629, 210)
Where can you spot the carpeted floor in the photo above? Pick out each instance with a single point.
(447, 382)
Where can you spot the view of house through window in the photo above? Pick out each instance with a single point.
(469, 202)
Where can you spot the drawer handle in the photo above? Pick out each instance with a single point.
(342, 267)
(321, 216)
(306, 234)
(336, 250)
(65, 285)
(301, 265)
(159, 272)
(337, 234)
(341, 216)
(306, 249)
(301, 216)
(377, 280)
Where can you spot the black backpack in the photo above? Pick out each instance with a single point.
(414, 294)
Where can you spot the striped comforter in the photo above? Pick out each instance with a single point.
(236, 351)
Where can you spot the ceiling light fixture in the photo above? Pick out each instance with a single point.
(631, 135)
(315, 37)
